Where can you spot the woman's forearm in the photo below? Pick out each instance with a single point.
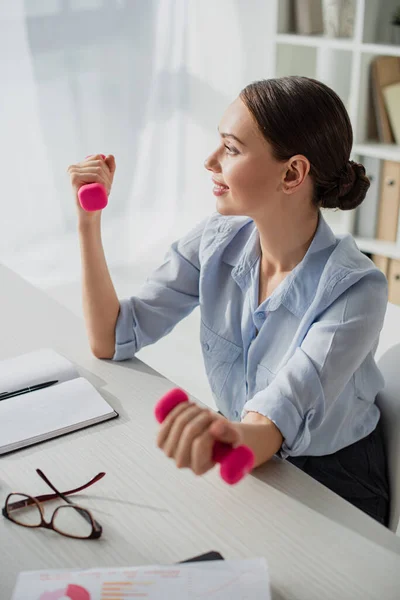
(261, 435)
(100, 301)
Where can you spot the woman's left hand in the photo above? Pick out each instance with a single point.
(188, 435)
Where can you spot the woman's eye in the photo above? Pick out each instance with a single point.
(231, 149)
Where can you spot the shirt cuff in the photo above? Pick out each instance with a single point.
(125, 338)
(293, 427)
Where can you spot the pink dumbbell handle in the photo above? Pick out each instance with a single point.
(93, 196)
(235, 462)
(221, 451)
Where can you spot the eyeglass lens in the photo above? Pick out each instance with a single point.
(68, 520)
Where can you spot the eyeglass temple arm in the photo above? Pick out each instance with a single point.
(62, 495)
(58, 494)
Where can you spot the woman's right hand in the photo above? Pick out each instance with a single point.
(94, 169)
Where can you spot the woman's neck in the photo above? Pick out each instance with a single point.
(285, 241)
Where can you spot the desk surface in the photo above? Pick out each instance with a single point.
(316, 544)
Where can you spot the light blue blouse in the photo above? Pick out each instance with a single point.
(311, 368)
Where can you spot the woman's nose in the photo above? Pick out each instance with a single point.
(211, 163)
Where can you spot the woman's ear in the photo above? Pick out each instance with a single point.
(295, 173)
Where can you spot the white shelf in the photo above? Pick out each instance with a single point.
(321, 41)
(377, 150)
(390, 249)
(315, 41)
(382, 49)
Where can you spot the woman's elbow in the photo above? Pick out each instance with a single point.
(102, 352)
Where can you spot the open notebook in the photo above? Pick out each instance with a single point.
(70, 404)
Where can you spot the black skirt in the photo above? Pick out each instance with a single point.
(357, 473)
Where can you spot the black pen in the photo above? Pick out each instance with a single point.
(32, 388)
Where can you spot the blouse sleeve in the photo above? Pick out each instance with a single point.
(302, 393)
(169, 295)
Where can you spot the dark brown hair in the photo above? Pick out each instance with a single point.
(299, 115)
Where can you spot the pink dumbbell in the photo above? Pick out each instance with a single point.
(93, 196)
(235, 462)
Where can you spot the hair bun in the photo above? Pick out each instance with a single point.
(349, 190)
(347, 178)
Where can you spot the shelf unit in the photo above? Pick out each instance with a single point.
(343, 64)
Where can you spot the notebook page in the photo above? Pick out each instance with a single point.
(59, 408)
(35, 367)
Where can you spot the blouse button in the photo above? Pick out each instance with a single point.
(206, 347)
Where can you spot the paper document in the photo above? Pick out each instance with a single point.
(211, 580)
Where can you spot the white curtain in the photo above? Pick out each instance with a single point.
(146, 80)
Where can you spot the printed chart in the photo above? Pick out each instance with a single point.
(73, 592)
(213, 580)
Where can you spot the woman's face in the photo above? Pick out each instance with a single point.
(246, 177)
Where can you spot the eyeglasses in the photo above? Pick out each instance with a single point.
(72, 521)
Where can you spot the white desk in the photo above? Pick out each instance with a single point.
(316, 544)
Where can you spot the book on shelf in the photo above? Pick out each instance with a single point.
(398, 231)
(391, 269)
(385, 71)
(389, 205)
(367, 212)
(391, 94)
(393, 277)
(308, 18)
(382, 262)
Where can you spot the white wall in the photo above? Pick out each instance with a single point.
(229, 45)
(147, 80)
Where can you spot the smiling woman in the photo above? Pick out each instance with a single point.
(290, 314)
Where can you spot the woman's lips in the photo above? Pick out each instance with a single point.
(219, 189)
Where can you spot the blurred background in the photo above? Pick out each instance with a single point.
(148, 81)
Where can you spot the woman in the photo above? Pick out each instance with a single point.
(291, 315)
